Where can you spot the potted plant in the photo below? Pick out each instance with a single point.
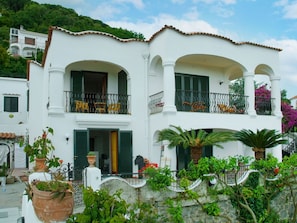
(91, 158)
(195, 140)
(41, 150)
(260, 140)
(52, 200)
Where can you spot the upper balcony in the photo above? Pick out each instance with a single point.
(193, 101)
(92, 102)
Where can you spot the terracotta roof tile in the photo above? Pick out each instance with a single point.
(7, 135)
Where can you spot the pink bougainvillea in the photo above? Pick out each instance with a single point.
(289, 121)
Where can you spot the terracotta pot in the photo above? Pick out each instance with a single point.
(40, 165)
(48, 209)
(91, 160)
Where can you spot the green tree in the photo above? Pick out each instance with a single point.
(4, 57)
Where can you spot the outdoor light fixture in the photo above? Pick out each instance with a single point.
(67, 137)
(221, 82)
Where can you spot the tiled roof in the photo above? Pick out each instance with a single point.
(209, 34)
(138, 40)
(7, 135)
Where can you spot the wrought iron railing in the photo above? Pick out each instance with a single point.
(195, 101)
(92, 102)
(263, 105)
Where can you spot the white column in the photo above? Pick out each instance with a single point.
(275, 96)
(145, 57)
(249, 90)
(169, 156)
(169, 86)
(56, 93)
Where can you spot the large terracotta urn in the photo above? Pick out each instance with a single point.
(49, 209)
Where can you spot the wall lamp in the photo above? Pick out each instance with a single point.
(67, 137)
(221, 82)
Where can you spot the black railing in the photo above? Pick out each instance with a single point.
(263, 105)
(92, 102)
(195, 101)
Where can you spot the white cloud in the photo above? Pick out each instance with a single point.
(104, 11)
(288, 63)
(222, 11)
(289, 8)
(291, 11)
(137, 3)
(149, 28)
(192, 14)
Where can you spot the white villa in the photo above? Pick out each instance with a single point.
(25, 43)
(112, 96)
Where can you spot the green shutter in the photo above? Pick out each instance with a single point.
(207, 151)
(122, 91)
(183, 157)
(11, 104)
(77, 85)
(125, 152)
(81, 148)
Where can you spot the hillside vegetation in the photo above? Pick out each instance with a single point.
(38, 18)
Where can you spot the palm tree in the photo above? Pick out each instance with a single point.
(195, 140)
(260, 140)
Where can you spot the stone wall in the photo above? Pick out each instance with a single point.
(192, 212)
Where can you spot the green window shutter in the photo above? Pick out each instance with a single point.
(122, 83)
(81, 148)
(11, 104)
(207, 151)
(183, 157)
(204, 81)
(122, 91)
(77, 84)
(125, 152)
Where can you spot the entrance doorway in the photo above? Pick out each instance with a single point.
(112, 147)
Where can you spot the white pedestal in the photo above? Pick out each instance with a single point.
(92, 177)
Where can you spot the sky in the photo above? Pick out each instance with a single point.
(269, 22)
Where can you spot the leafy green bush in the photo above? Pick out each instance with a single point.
(158, 178)
(103, 207)
(212, 209)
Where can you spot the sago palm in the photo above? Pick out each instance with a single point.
(260, 140)
(195, 140)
